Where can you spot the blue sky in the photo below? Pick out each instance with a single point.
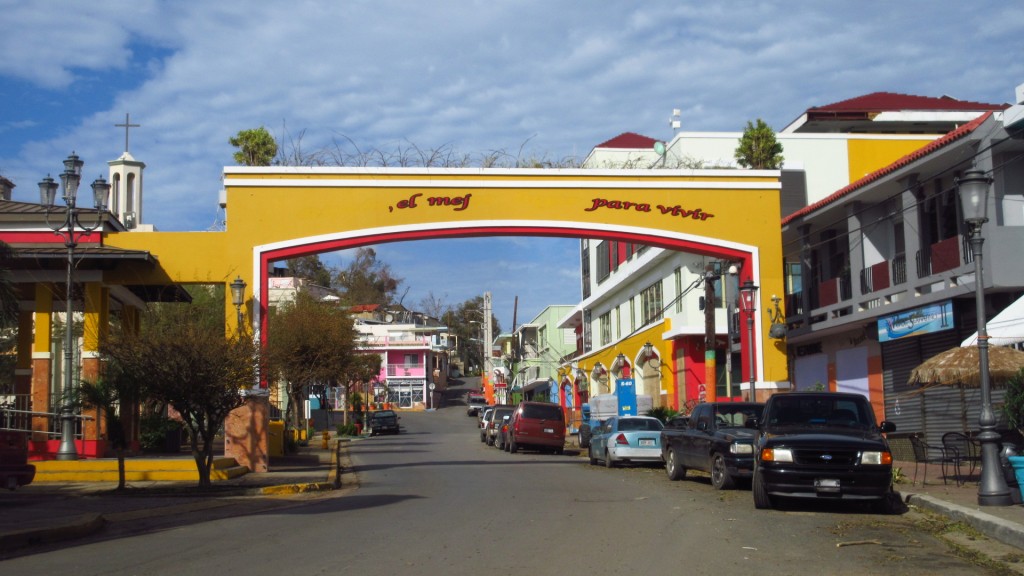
(550, 78)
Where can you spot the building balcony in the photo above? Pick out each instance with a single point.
(401, 370)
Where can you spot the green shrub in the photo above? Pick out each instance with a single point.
(347, 430)
(1013, 401)
(155, 431)
(663, 413)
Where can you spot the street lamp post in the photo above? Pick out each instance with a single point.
(70, 179)
(992, 489)
(238, 298)
(748, 302)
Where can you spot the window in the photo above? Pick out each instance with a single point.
(632, 314)
(585, 265)
(603, 261)
(650, 303)
(411, 360)
(606, 328)
(794, 278)
(678, 277)
(618, 323)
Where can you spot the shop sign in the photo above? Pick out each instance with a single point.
(916, 321)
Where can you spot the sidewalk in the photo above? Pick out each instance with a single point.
(49, 512)
(1002, 523)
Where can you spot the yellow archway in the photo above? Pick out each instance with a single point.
(276, 213)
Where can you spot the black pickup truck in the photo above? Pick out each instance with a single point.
(823, 445)
(714, 439)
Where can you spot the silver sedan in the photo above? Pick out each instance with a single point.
(627, 439)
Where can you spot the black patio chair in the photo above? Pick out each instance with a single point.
(926, 454)
(961, 451)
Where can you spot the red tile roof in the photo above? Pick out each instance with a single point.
(891, 101)
(364, 308)
(904, 161)
(628, 140)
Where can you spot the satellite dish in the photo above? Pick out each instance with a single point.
(659, 148)
(389, 318)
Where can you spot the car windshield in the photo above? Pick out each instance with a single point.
(542, 411)
(732, 416)
(640, 424)
(819, 411)
(476, 399)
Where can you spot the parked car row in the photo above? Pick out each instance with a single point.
(528, 426)
(824, 445)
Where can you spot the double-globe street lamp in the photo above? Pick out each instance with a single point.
(992, 489)
(71, 230)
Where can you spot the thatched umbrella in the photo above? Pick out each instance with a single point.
(960, 367)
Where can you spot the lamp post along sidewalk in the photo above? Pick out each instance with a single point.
(70, 179)
(748, 303)
(992, 489)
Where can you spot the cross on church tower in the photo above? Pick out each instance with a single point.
(127, 125)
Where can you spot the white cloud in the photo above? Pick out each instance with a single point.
(478, 76)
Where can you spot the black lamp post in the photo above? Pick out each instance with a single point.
(70, 179)
(992, 489)
(238, 298)
(748, 304)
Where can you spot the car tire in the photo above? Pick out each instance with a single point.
(512, 446)
(583, 441)
(590, 453)
(762, 500)
(489, 441)
(720, 477)
(674, 470)
(558, 451)
(608, 462)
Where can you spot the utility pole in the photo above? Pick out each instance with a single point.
(710, 370)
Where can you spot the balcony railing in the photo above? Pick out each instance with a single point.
(395, 370)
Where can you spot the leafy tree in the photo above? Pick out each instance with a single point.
(367, 281)
(758, 147)
(256, 147)
(311, 268)
(464, 322)
(182, 359)
(309, 343)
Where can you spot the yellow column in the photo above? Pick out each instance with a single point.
(42, 363)
(94, 327)
(23, 364)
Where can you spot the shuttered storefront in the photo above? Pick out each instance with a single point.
(936, 410)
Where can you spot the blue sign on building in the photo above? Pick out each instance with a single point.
(916, 321)
(625, 390)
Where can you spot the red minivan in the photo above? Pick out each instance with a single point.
(537, 425)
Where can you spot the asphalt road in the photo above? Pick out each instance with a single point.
(434, 500)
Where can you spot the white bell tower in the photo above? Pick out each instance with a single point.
(126, 185)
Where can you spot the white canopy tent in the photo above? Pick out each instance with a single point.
(1005, 328)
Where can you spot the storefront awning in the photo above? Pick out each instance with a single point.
(534, 384)
(1004, 328)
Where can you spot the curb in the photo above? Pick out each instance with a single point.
(75, 528)
(1004, 531)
